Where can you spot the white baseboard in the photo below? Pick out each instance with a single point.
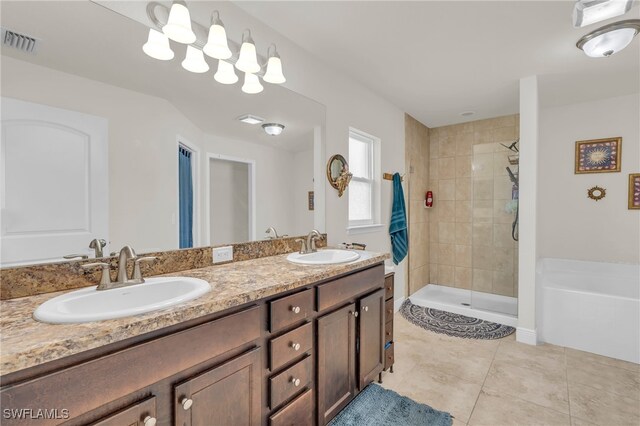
(527, 336)
(397, 303)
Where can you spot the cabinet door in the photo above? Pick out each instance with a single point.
(336, 362)
(140, 414)
(229, 394)
(371, 350)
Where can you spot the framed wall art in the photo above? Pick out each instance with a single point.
(634, 191)
(598, 155)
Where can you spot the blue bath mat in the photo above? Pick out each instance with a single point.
(453, 324)
(376, 406)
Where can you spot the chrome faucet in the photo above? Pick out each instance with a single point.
(126, 253)
(271, 230)
(123, 280)
(97, 245)
(311, 241)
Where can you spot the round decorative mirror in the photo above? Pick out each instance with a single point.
(338, 173)
(596, 193)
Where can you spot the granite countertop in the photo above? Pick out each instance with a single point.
(25, 342)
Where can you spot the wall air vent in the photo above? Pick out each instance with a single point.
(18, 41)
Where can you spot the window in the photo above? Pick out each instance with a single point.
(364, 189)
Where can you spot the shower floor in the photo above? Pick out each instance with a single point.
(486, 306)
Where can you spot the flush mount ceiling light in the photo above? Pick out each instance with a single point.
(157, 46)
(273, 129)
(178, 27)
(587, 12)
(250, 119)
(610, 39)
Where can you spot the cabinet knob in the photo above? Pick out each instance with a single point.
(355, 314)
(296, 382)
(295, 346)
(149, 421)
(366, 309)
(186, 403)
(295, 309)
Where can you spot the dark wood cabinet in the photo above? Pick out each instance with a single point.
(229, 394)
(142, 413)
(336, 361)
(388, 334)
(371, 337)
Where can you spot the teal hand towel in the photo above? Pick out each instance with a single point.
(398, 225)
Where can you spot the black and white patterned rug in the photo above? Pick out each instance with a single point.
(453, 324)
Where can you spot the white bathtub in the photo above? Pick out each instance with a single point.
(590, 306)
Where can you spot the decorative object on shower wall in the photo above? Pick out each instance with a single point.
(338, 173)
(596, 193)
(598, 155)
(634, 191)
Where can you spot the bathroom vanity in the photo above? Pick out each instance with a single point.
(281, 345)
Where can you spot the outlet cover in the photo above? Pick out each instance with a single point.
(223, 254)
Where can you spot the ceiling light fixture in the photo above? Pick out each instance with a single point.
(250, 119)
(274, 68)
(251, 84)
(178, 26)
(217, 45)
(610, 39)
(587, 12)
(248, 59)
(273, 129)
(157, 46)
(226, 74)
(194, 61)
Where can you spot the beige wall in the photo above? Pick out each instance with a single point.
(416, 184)
(451, 220)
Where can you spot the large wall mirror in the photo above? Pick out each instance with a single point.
(102, 142)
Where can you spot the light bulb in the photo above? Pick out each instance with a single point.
(194, 61)
(248, 59)
(217, 45)
(607, 44)
(178, 26)
(274, 71)
(157, 46)
(226, 74)
(251, 84)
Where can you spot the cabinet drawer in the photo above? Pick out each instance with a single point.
(388, 332)
(388, 287)
(388, 310)
(388, 357)
(134, 415)
(290, 345)
(297, 413)
(290, 310)
(346, 288)
(283, 386)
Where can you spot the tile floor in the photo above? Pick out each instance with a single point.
(502, 382)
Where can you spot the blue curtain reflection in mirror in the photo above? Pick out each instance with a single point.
(185, 191)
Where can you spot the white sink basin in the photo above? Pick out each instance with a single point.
(324, 257)
(89, 304)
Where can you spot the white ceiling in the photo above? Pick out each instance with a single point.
(91, 41)
(436, 59)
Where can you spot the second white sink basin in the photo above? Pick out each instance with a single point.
(89, 304)
(324, 257)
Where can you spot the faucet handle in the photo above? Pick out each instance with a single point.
(76, 256)
(105, 279)
(137, 273)
(303, 245)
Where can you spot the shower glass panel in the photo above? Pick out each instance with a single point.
(495, 227)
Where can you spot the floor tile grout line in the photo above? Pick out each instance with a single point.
(483, 382)
(566, 376)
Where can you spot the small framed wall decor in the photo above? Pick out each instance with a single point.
(598, 155)
(634, 191)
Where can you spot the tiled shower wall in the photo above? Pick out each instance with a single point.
(469, 243)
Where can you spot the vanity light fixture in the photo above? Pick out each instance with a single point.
(248, 59)
(217, 46)
(226, 73)
(587, 12)
(157, 46)
(610, 39)
(274, 67)
(250, 119)
(178, 27)
(194, 61)
(251, 84)
(273, 129)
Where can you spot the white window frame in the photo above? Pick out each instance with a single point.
(373, 224)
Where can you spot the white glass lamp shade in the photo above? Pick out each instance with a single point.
(251, 84)
(248, 59)
(274, 71)
(217, 46)
(273, 129)
(194, 61)
(226, 74)
(157, 46)
(178, 26)
(609, 43)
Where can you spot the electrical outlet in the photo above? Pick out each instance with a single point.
(223, 254)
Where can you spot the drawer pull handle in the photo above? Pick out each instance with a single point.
(355, 314)
(296, 382)
(186, 403)
(366, 309)
(295, 346)
(295, 309)
(149, 421)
